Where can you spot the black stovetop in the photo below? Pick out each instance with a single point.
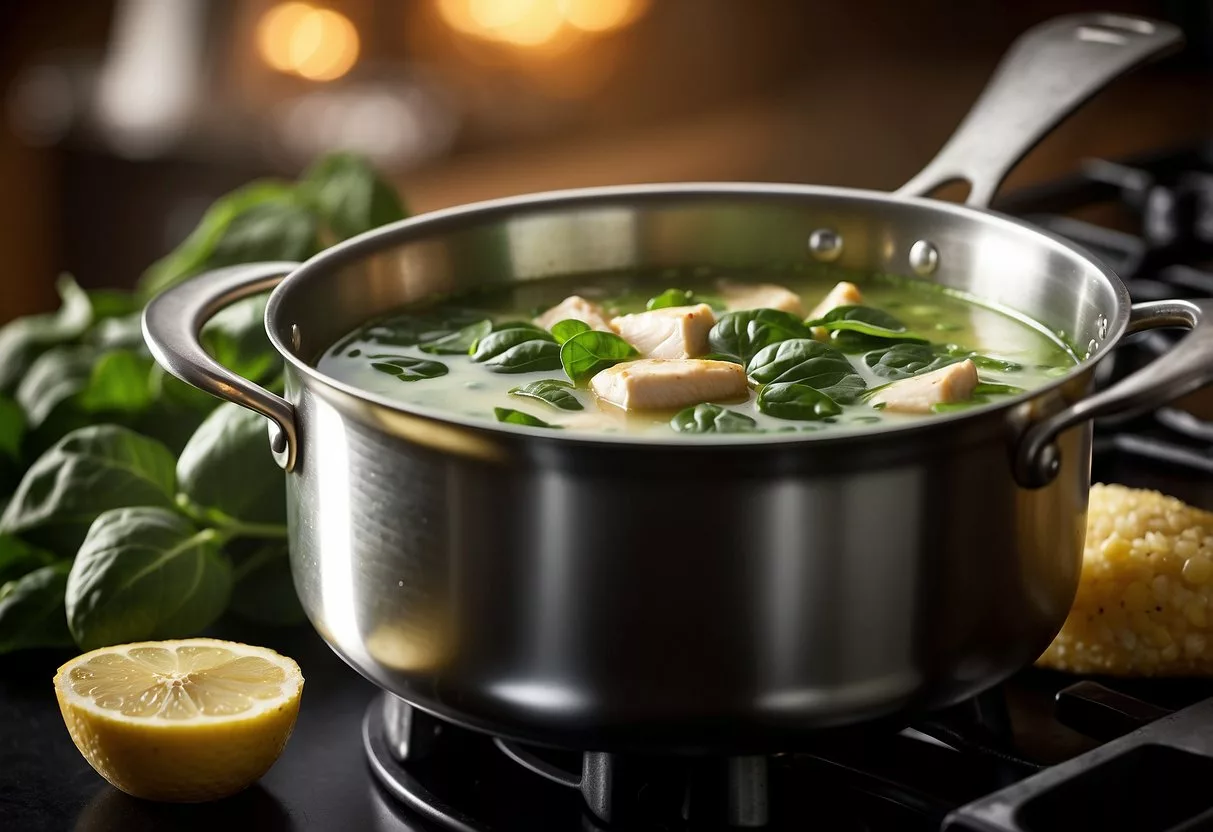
(1077, 751)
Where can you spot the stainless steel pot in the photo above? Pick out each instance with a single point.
(609, 593)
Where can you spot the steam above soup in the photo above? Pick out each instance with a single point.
(712, 356)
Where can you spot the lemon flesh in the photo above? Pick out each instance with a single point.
(180, 721)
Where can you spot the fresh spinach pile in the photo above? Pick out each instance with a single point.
(133, 506)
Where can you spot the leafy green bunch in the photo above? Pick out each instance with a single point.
(133, 506)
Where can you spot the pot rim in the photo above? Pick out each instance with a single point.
(416, 228)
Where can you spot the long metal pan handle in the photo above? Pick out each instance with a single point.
(1183, 370)
(1051, 70)
(173, 321)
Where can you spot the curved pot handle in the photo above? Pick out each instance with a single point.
(173, 320)
(1048, 72)
(1183, 370)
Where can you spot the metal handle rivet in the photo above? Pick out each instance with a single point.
(825, 244)
(296, 338)
(924, 258)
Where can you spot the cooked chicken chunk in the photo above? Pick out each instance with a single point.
(843, 294)
(953, 383)
(576, 308)
(739, 296)
(666, 384)
(673, 332)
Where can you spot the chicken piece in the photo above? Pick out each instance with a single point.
(843, 294)
(673, 332)
(738, 296)
(576, 308)
(669, 383)
(953, 383)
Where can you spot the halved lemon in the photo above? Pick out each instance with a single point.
(180, 721)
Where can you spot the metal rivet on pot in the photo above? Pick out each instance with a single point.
(924, 258)
(1101, 327)
(296, 338)
(1092, 347)
(825, 244)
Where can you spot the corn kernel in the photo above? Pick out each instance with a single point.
(1198, 570)
(1115, 548)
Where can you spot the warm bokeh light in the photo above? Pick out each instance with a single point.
(602, 15)
(315, 43)
(531, 23)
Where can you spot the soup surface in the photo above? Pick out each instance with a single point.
(739, 355)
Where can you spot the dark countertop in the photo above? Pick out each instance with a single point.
(321, 782)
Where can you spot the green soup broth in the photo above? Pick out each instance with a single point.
(421, 355)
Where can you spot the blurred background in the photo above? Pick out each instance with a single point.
(123, 119)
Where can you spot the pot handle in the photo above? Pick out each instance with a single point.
(1185, 369)
(1048, 72)
(173, 320)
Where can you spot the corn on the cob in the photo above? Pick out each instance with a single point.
(1143, 603)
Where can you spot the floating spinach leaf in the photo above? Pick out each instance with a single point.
(589, 353)
(866, 320)
(31, 610)
(555, 392)
(503, 340)
(902, 361)
(12, 428)
(531, 356)
(262, 588)
(18, 558)
(517, 417)
(985, 362)
(671, 297)
(351, 196)
(87, 472)
(808, 362)
(24, 339)
(796, 400)
(410, 330)
(227, 465)
(989, 388)
(266, 220)
(143, 574)
(743, 334)
(119, 381)
(712, 418)
(408, 368)
(952, 407)
(459, 342)
(566, 329)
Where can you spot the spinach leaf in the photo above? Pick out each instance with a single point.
(351, 196)
(497, 343)
(459, 342)
(743, 334)
(31, 610)
(865, 320)
(985, 362)
(87, 472)
(264, 220)
(589, 353)
(18, 558)
(952, 407)
(144, 574)
(12, 428)
(566, 329)
(236, 338)
(808, 362)
(555, 392)
(712, 418)
(796, 400)
(989, 388)
(263, 590)
(119, 381)
(227, 466)
(528, 357)
(113, 303)
(902, 361)
(671, 297)
(517, 417)
(120, 333)
(410, 330)
(24, 339)
(408, 368)
(53, 380)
